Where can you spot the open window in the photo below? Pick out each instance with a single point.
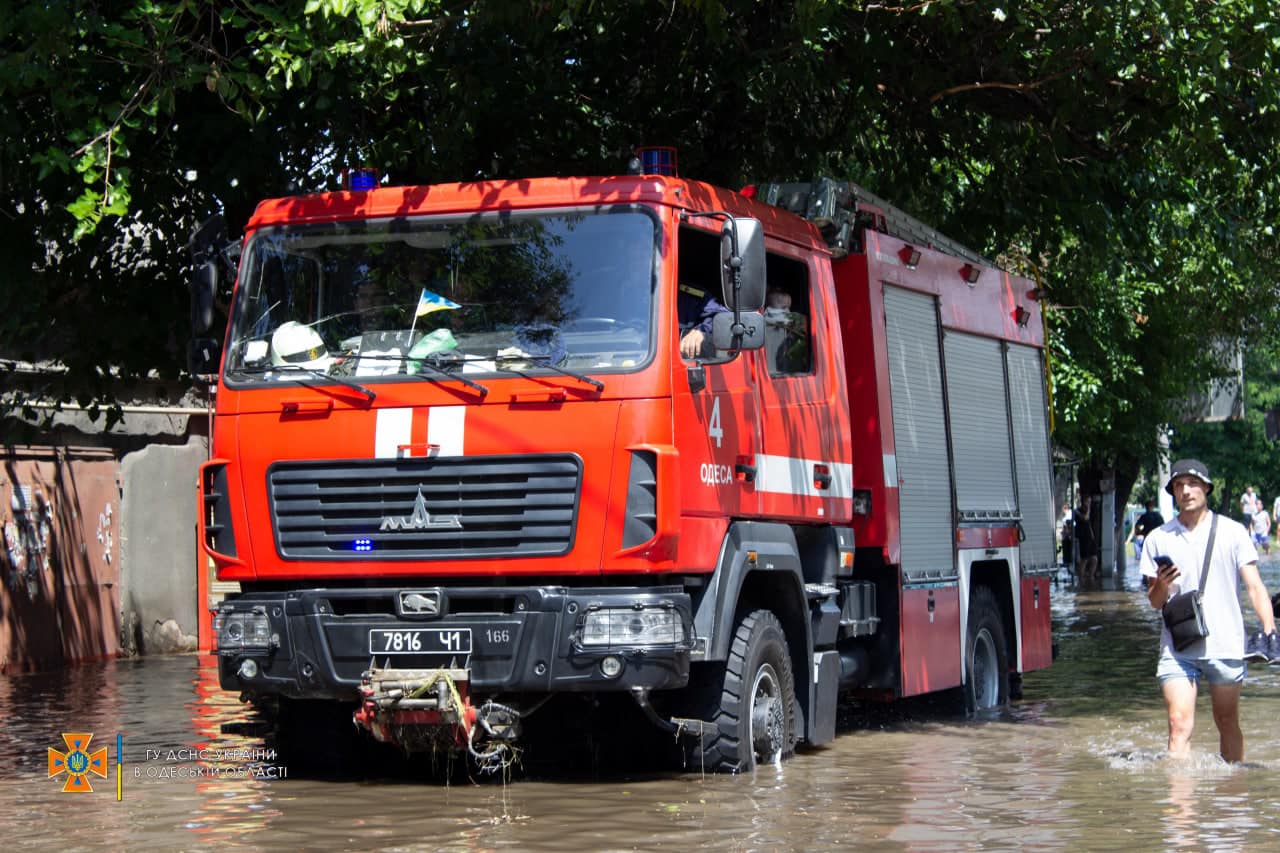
(788, 348)
(698, 295)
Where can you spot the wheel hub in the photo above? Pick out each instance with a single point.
(767, 716)
(985, 675)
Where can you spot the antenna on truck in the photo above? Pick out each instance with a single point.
(842, 210)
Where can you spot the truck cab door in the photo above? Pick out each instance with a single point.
(715, 399)
(804, 468)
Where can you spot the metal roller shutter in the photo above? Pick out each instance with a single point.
(1031, 455)
(919, 434)
(979, 427)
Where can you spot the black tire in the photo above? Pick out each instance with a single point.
(752, 707)
(986, 656)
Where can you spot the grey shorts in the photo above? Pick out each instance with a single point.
(1216, 671)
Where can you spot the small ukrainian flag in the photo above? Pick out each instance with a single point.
(429, 302)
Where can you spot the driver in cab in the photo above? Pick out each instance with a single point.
(695, 308)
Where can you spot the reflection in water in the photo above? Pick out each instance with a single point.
(230, 808)
(1193, 826)
(1077, 765)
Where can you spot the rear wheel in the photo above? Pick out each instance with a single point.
(986, 684)
(752, 704)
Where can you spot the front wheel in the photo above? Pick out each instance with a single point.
(986, 683)
(752, 715)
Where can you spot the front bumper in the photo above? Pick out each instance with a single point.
(527, 640)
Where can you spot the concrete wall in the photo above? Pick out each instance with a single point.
(158, 555)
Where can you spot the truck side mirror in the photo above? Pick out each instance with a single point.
(746, 333)
(742, 251)
(206, 242)
(204, 284)
(203, 356)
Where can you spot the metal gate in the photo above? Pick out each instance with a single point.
(59, 569)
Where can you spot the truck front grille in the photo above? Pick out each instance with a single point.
(425, 508)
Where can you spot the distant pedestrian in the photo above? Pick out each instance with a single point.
(1147, 522)
(1262, 531)
(1218, 658)
(1066, 535)
(1249, 504)
(1086, 544)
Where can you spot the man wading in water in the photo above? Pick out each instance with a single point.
(1218, 658)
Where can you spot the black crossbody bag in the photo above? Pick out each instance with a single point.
(1184, 614)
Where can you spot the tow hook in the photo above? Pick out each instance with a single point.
(404, 697)
(425, 709)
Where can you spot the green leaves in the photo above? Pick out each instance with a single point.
(1125, 151)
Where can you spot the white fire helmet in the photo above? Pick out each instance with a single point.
(298, 344)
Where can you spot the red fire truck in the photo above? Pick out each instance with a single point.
(735, 456)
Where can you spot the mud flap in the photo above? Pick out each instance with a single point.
(824, 697)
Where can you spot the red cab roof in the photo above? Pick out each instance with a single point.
(530, 193)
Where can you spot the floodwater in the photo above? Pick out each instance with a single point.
(1075, 765)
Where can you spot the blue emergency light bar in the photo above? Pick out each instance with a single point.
(657, 160)
(357, 180)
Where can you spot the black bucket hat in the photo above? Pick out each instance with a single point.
(1190, 467)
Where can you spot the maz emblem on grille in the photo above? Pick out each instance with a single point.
(426, 603)
(420, 519)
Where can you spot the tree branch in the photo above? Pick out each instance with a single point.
(124, 113)
(1016, 87)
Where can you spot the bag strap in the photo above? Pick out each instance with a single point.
(1208, 553)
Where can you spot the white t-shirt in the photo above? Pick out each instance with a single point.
(1261, 522)
(1232, 548)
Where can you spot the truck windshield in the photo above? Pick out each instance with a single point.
(418, 298)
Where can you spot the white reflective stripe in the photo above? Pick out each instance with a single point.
(446, 426)
(791, 475)
(393, 430)
(890, 470)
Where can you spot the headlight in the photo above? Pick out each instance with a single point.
(626, 626)
(244, 630)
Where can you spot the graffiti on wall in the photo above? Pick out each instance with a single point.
(105, 539)
(28, 529)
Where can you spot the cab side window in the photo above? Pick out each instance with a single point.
(698, 298)
(788, 348)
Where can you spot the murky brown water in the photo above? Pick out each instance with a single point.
(1075, 765)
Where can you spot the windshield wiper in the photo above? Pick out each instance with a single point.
(320, 374)
(436, 361)
(545, 361)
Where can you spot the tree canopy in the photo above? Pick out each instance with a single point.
(1122, 153)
